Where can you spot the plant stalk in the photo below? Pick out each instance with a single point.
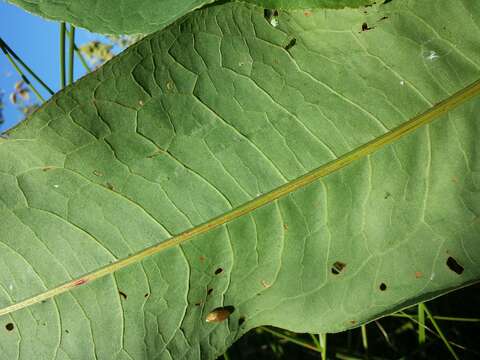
(62, 55)
(22, 75)
(421, 323)
(71, 38)
(8, 50)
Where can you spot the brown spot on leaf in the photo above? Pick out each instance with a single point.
(219, 314)
(110, 186)
(285, 227)
(265, 284)
(418, 274)
(97, 173)
(146, 295)
(209, 291)
(47, 168)
(201, 258)
(80, 282)
(307, 13)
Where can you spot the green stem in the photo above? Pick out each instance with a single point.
(62, 55)
(7, 50)
(291, 339)
(71, 37)
(440, 333)
(364, 337)
(20, 72)
(80, 56)
(421, 323)
(323, 345)
(225, 356)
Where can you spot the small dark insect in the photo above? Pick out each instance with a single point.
(219, 314)
(365, 27)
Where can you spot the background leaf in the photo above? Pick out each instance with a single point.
(112, 16)
(215, 111)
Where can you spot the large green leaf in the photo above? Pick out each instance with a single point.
(113, 16)
(310, 4)
(146, 16)
(224, 111)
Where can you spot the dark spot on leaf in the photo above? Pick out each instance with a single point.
(454, 265)
(387, 195)
(110, 186)
(290, 44)
(386, 2)
(67, 332)
(209, 291)
(146, 295)
(219, 314)
(270, 15)
(338, 267)
(241, 320)
(285, 227)
(218, 271)
(383, 18)
(97, 173)
(123, 295)
(365, 27)
(47, 168)
(9, 327)
(383, 286)
(198, 303)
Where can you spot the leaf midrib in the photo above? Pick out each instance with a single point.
(360, 152)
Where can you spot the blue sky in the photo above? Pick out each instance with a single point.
(36, 42)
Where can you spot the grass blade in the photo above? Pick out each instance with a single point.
(290, 339)
(440, 333)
